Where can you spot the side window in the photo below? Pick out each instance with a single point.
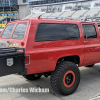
(99, 28)
(19, 31)
(8, 30)
(53, 31)
(89, 31)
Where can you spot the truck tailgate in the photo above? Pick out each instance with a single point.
(11, 61)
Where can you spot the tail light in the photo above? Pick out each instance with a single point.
(22, 43)
(27, 59)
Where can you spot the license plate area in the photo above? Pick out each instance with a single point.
(10, 62)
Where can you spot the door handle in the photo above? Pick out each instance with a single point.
(85, 41)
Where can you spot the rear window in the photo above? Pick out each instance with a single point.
(19, 31)
(8, 30)
(89, 31)
(53, 31)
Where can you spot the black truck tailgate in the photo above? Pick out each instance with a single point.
(11, 61)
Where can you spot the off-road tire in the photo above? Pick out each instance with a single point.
(57, 78)
(32, 77)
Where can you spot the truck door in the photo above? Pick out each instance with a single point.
(91, 44)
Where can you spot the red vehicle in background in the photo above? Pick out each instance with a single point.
(50, 47)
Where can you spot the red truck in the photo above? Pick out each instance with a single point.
(50, 47)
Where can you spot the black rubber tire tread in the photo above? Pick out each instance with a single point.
(90, 65)
(57, 78)
(31, 77)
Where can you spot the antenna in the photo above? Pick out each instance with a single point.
(40, 16)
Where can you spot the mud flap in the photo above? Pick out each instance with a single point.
(11, 61)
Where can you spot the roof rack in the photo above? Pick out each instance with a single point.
(65, 18)
(91, 19)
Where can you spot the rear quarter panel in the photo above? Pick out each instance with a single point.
(44, 55)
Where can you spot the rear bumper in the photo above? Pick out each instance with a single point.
(12, 61)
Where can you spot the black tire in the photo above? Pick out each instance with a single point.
(32, 77)
(57, 78)
(90, 65)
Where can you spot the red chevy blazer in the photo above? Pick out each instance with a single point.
(50, 47)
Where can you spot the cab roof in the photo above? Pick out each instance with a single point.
(53, 20)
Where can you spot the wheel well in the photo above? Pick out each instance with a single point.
(75, 59)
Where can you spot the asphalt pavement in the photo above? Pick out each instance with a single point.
(89, 88)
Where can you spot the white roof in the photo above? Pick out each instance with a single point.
(34, 15)
(91, 12)
(98, 15)
(67, 14)
(29, 16)
(46, 15)
(73, 14)
(79, 13)
(37, 15)
(56, 14)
